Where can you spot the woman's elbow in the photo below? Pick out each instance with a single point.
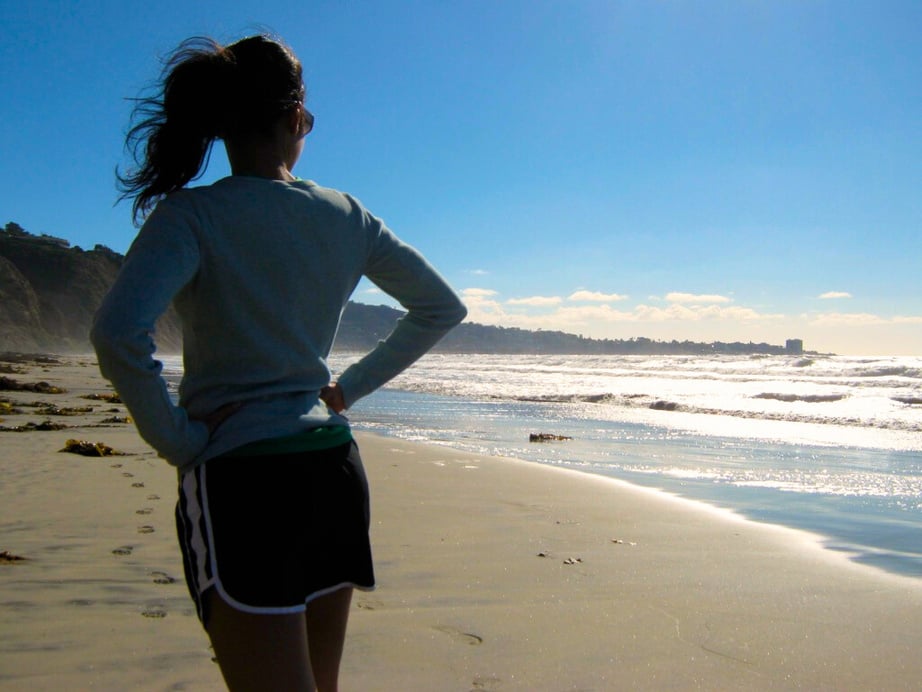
(100, 336)
(111, 336)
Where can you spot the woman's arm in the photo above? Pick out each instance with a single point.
(162, 259)
(433, 309)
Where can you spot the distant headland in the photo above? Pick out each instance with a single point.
(49, 291)
(363, 325)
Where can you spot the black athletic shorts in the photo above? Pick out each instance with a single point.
(270, 533)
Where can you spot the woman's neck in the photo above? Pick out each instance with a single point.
(280, 172)
(258, 160)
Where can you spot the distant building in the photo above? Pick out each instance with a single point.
(795, 347)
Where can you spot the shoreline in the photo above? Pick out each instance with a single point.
(493, 574)
(796, 538)
(862, 500)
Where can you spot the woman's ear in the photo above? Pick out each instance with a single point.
(294, 121)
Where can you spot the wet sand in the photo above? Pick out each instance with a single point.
(493, 574)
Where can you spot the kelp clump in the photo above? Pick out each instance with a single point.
(89, 449)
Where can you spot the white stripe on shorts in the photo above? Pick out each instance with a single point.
(196, 514)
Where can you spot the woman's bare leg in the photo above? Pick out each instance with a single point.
(327, 617)
(262, 653)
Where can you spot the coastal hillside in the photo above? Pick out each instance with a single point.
(363, 325)
(49, 291)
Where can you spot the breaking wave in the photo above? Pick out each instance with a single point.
(871, 394)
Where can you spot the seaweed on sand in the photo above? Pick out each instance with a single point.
(11, 385)
(89, 449)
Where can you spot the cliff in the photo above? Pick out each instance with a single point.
(50, 290)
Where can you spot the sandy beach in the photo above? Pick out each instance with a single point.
(493, 574)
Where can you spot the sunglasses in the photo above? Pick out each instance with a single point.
(308, 119)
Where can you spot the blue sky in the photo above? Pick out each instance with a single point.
(731, 170)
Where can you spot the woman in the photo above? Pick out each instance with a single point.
(273, 509)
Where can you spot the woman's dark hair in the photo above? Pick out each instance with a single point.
(205, 92)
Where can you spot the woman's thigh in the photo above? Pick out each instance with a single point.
(256, 651)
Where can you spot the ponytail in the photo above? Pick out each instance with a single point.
(174, 129)
(206, 92)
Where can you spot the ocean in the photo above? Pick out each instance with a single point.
(826, 444)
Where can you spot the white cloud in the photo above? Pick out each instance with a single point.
(536, 301)
(478, 292)
(588, 314)
(482, 307)
(834, 294)
(478, 272)
(677, 297)
(860, 319)
(596, 297)
(847, 319)
(697, 313)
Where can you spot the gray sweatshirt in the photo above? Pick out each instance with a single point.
(259, 271)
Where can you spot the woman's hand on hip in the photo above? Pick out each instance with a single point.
(214, 419)
(333, 397)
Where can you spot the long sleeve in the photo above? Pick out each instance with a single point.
(433, 309)
(161, 261)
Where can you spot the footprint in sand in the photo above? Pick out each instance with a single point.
(153, 497)
(123, 550)
(145, 510)
(137, 485)
(484, 684)
(127, 474)
(162, 578)
(458, 635)
(115, 466)
(146, 529)
(154, 612)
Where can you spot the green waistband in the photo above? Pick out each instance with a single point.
(306, 441)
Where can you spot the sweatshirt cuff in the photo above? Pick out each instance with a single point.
(194, 443)
(352, 384)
